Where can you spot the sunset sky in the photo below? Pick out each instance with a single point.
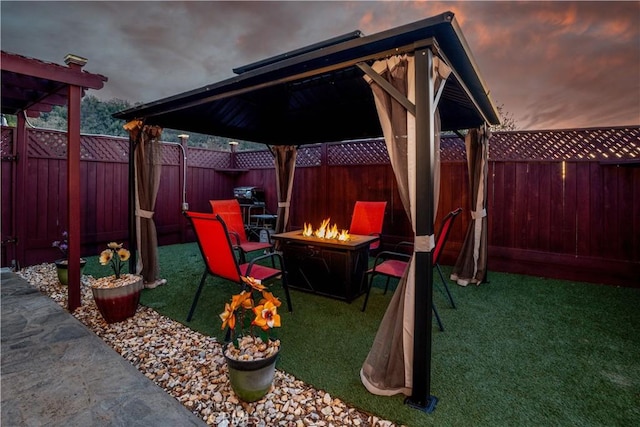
(553, 65)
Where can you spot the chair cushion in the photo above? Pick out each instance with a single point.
(390, 267)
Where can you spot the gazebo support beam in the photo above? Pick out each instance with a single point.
(425, 161)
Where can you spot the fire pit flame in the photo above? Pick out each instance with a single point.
(326, 231)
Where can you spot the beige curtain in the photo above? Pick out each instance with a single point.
(285, 162)
(148, 165)
(388, 369)
(471, 265)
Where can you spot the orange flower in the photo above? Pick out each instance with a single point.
(266, 316)
(243, 299)
(228, 317)
(268, 296)
(254, 283)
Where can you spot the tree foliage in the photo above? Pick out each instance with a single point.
(507, 121)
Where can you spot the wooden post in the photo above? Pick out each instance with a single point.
(22, 171)
(73, 190)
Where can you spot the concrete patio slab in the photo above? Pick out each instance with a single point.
(55, 371)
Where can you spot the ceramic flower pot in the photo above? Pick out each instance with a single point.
(117, 299)
(251, 379)
(63, 271)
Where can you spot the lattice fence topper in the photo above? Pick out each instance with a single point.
(369, 151)
(594, 144)
(171, 154)
(309, 155)
(597, 144)
(262, 159)
(205, 158)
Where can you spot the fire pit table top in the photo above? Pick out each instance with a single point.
(355, 241)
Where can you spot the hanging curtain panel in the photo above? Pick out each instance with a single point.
(148, 166)
(471, 265)
(285, 163)
(388, 369)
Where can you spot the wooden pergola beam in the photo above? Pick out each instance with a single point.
(34, 86)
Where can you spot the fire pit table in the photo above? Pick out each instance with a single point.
(326, 267)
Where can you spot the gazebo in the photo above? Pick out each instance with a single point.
(407, 84)
(30, 87)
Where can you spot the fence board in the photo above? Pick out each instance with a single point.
(544, 207)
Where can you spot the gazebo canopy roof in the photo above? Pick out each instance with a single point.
(37, 86)
(318, 93)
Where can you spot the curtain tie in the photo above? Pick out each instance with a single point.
(478, 214)
(424, 243)
(283, 204)
(144, 214)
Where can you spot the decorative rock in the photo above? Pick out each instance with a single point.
(191, 367)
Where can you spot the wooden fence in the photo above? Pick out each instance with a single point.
(558, 216)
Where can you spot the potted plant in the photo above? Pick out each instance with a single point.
(117, 296)
(62, 264)
(251, 354)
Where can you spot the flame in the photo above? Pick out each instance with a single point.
(326, 231)
(321, 232)
(344, 236)
(308, 230)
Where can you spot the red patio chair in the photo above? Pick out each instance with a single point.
(231, 214)
(367, 220)
(220, 260)
(393, 264)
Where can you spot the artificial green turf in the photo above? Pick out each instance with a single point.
(517, 351)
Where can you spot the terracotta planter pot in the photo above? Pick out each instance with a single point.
(117, 300)
(63, 271)
(251, 379)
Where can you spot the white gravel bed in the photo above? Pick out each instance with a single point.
(189, 366)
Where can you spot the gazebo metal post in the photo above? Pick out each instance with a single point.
(425, 148)
(133, 243)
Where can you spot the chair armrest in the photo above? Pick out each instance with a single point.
(404, 247)
(385, 255)
(236, 236)
(265, 256)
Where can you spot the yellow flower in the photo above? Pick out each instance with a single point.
(266, 316)
(254, 283)
(105, 256)
(114, 245)
(115, 255)
(268, 296)
(123, 254)
(228, 317)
